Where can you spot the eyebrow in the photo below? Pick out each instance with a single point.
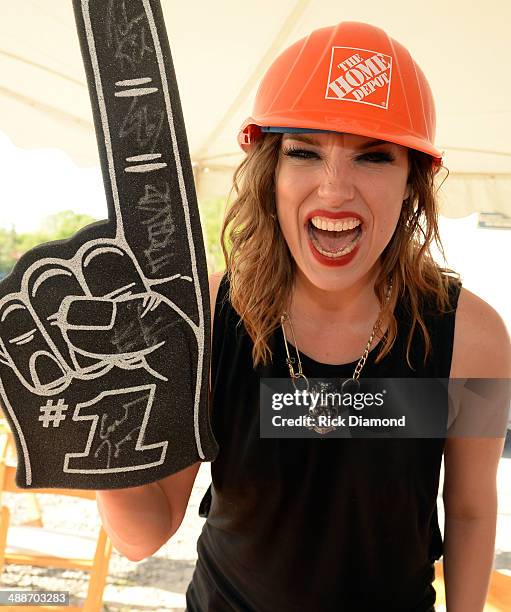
(373, 142)
(302, 138)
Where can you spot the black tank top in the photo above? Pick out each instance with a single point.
(319, 524)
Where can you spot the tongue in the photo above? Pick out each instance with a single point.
(333, 241)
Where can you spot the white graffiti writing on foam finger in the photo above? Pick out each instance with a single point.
(73, 267)
(159, 226)
(116, 38)
(102, 438)
(182, 187)
(159, 230)
(127, 36)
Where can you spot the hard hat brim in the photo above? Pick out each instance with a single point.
(335, 123)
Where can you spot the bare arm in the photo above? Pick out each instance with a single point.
(481, 350)
(139, 520)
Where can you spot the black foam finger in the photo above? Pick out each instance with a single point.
(142, 143)
(123, 329)
(109, 270)
(151, 196)
(105, 337)
(47, 285)
(26, 349)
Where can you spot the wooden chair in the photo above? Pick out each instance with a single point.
(31, 544)
(499, 593)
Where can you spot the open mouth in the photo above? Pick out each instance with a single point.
(334, 238)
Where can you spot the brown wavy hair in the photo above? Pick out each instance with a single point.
(260, 267)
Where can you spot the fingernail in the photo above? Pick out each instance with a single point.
(47, 370)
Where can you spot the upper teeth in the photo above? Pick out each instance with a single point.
(324, 223)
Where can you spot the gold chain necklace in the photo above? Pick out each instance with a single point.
(353, 381)
(360, 364)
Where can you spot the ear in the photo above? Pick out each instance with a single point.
(407, 192)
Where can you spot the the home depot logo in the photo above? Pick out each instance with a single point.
(359, 75)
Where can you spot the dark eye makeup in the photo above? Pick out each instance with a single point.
(299, 153)
(375, 157)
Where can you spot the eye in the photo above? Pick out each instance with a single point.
(298, 153)
(376, 157)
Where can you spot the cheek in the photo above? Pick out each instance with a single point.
(288, 186)
(295, 182)
(386, 226)
(290, 191)
(286, 215)
(386, 201)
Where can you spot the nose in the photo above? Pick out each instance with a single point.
(337, 185)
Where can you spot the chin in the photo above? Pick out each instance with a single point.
(335, 277)
(330, 280)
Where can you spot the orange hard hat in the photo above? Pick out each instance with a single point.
(351, 78)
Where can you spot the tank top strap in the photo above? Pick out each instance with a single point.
(440, 326)
(229, 334)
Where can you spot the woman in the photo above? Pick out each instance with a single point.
(329, 274)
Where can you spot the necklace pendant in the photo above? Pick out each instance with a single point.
(321, 412)
(321, 430)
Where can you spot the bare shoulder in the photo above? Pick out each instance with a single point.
(481, 350)
(482, 347)
(214, 284)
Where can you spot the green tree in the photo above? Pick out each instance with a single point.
(55, 227)
(64, 224)
(59, 226)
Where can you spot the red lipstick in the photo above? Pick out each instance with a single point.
(323, 259)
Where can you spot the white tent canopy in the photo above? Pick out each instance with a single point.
(221, 49)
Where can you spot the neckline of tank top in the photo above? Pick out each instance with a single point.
(306, 358)
(349, 367)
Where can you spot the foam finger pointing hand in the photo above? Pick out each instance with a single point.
(141, 136)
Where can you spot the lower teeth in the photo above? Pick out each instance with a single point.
(344, 251)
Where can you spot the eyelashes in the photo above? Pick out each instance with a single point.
(376, 157)
(300, 153)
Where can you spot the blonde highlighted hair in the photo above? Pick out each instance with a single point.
(260, 267)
